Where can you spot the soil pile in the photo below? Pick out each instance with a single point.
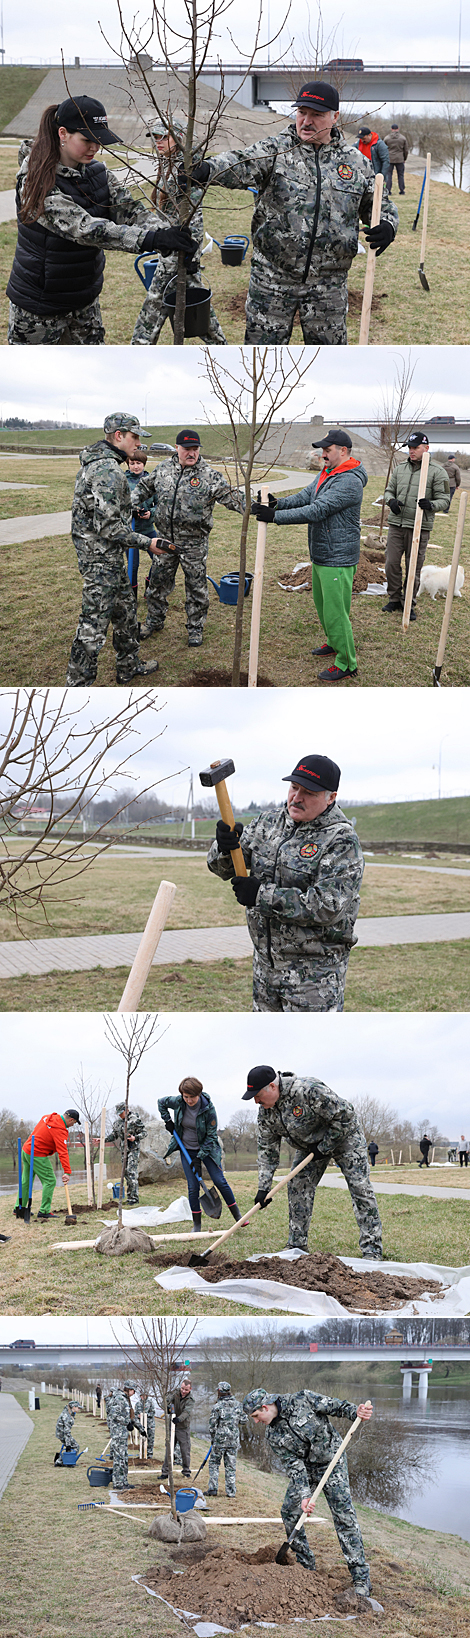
(222, 679)
(367, 573)
(297, 579)
(358, 1292)
(231, 1586)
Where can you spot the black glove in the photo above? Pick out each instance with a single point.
(170, 1126)
(226, 838)
(380, 237)
(199, 174)
(394, 507)
(246, 890)
(139, 1429)
(260, 1198)
(425, 505)
(263, 513)
(168, 239)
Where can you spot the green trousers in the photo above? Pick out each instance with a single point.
(332, 594)
(42, 1168)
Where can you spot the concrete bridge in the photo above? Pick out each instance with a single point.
(374, 84)
(97, 1359)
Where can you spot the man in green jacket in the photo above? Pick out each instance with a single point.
(401, 496)
(331, 506)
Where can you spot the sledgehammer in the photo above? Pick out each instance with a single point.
(216, 775)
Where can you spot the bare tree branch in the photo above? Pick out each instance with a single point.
(131, 1036)
(159, 1343)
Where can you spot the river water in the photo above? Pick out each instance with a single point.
(417, 1461)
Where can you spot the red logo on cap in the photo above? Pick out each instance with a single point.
(312, 94)
(309, 771)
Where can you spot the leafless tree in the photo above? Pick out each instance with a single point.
(11, 1128)
(159, 1343)
(457, 131)
(252, 392)
(376, 1118)
(90, 1100)
(240, 1127)
(395, 416)
(50, 760)
(131, 1035)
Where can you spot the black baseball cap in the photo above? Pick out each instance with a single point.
(317, 94)
(73, 1114)
(365, 131)
(260, 1076)
(336, 435)
(416, 439)
(88, 116)
(189, 440)
(315, 773)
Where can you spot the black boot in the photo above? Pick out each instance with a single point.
(236, 1213)
(196, 1222)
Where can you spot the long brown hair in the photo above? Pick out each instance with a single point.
(43, 161)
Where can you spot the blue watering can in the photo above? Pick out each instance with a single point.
(68, 1458)
(185, 1499)
(233, 249)
(146, 272)
(117, 1186)
(227, 592)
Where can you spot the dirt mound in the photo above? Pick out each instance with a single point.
(236, 304)
(367, 572)
(297, 579)
(115, 1242)
(358, 1292)
(231, 1586)
(223, 679)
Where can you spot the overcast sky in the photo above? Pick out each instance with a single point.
(425, 33)
(168, 386)
(101, 1331)
(416, 1063)
(386, 742)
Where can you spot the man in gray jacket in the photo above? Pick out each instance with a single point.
(401, 496)
(331, 506)
(397, 154)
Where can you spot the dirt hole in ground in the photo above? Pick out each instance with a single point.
(355, 298)
(250, 1586)
(236, 304)
(320, 1272)
(222, 679)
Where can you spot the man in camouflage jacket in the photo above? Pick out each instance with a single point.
(302, 1440)
(136, 1130)
(169, 145)
(224, 1428)
(121, 1420)
(313, 190)
(302, 896)
(145, 1407)
(182, 492)
(64, 1426)
(312, 1119)
(180, 1403)
(101, 530)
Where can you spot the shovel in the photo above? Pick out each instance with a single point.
(210, 1201)
(450, 592)
(206, 1459)
(427, 180)
(70, 1218)
(27, 1209)
(281, 1556)
(195, 1261)
(18, 1210)
(416, 220)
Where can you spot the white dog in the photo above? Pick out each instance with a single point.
(435, 581)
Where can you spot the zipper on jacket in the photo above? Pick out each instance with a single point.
(173, 504)
(282, 843)
(315, 220)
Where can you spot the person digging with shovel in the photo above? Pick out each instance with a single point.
(50, 1138)
(192, 1119)
(302, 1440)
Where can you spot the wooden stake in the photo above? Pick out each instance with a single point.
(148, 944)
(370, 265)
(450, 590)
(101, 1160)
(89, 1182)
(257, 595)
(418, 524)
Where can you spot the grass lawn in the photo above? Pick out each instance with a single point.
(102, 1552)
(400, 978)
(34, 1279)
(42, 598)
(18, 85)
(403, 313)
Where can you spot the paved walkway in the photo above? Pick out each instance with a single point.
(15, 1430)
(45, 955)
(8, 205)
(13, 531)
(400, 1188)
(21, 486)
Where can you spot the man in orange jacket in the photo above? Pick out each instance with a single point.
(50, 1138)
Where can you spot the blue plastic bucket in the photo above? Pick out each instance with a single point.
(185, 1499)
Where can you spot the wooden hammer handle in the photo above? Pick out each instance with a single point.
(226, 813)
(67, 1196)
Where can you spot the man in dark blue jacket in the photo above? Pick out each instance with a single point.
(331, 506)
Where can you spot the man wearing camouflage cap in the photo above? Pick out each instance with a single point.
(134, 1130)
(302, 1439)
(225, 1420)
(101, 531)
(179, 1405)
(121, 1422)
(314, 1120)
(313, 189)
(182, 492)
(302, 894)
(169, 139)
(64, 1427)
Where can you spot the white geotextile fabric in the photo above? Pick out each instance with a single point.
(149, 1216)
(455, 1298)
(208, 1629)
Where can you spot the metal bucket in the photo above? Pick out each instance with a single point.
(197, 311)
(227, 592)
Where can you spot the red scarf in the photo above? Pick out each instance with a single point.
(365, 147)
(346, 466)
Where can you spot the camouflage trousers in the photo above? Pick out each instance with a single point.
(131, 1175)
(120, 1459)
(314, 984)
(152, 316)
(193, 561)
(352, 1161)
(77, 329)
(338, 1496)
(273, 302)
(183, 1438)
(227, 1454)
(107, 599)
(150, 1432)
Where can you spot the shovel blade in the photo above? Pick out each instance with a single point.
(423, 279)
(27, 1213)
(211, 1203)
(198, 1261)
(281, 1556)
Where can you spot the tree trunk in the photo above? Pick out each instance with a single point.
(180, 308)
(237, 650)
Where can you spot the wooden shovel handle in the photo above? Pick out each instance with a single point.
(425, 209)
(67, 1196)
(329, 1469)
(452, 580)
(418, 524)
(254, 1209)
